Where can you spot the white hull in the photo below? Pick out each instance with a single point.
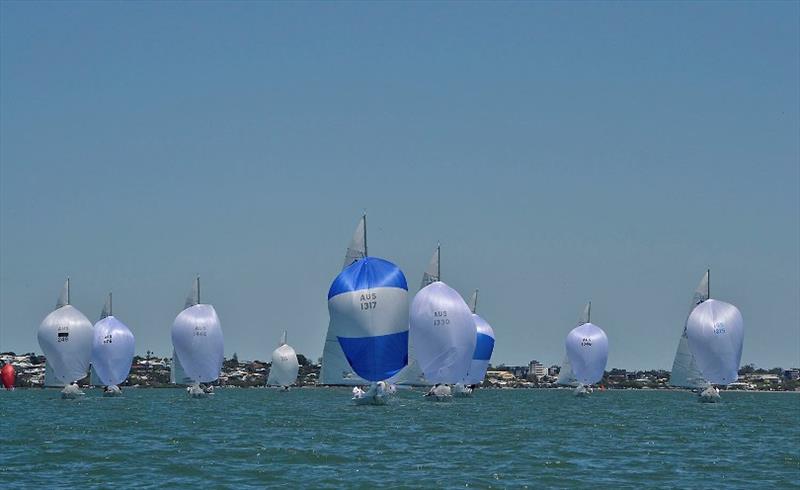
(370, 400)
(709, 395)
(582, 391)
(441, 393)
(71, 393)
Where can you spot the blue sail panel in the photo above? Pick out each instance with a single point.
(368, 273)
(483, 347)
(376, 358)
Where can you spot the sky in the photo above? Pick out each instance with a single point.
(560, 152)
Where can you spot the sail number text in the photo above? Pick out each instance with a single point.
(440, 318)
(719, 328)
(369, 301)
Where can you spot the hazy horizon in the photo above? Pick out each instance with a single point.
(560, 153)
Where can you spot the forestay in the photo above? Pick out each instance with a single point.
(715, 330)
(443, 333)
(587, 349)
(368, 306)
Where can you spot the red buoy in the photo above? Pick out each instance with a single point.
(8, 374)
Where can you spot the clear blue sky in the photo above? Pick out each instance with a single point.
(560, 152)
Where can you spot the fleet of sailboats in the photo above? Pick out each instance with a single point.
(374, 338)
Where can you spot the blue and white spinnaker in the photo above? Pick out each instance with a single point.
(112, 349)
(368, 306)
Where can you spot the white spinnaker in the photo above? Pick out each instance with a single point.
(685, 372)
(112, 351)
(587, 349)
(716, 332)
(197, 340)
(443, 333)
(565, 376)
(65, 337)
(285, 367)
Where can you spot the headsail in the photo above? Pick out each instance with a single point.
(586, 316)
(65, 337)
(284, 368)
(473, 302)
(716, 333)
(358, 245)
(368, 306)
(565, 376)
(587, 351)
(107, 308)
(685, 372)
(443, 333)
(434, 271)
(113, 348)
(197, 340)
(194, 294)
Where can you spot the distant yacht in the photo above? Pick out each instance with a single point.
(715, 331)
(565, 375)
(197, 342)
(442, 332)
(65, 337)
(112, 350)
(335, 368)
(284, 368)
(587, 350)
(685, 373)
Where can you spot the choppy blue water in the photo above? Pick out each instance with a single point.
(315, 438)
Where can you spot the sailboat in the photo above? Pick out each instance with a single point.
(685, 373)
(8, 375)
(587, 350)
(442, 332)
(484, 345)
(283, 371)
(412, 374)
(65, 337)
(335, 369)
(715, 330)
(565, 375)
(112, 350)
(198, 343)
(368, 307)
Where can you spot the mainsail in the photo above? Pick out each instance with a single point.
(113, 348)
(65, 337)
(285, 367)
(716, 332)
(443, 333)
(197, 339)
(335, 369)
(685, 372)
(434, 271)
(368, 306)
(587, 350)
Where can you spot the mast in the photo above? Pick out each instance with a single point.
(438, 261)
(198, 288)
(475, 304)
(68, 298)
(708, 284)
(364, 217)
(110, 304)
(589, 315)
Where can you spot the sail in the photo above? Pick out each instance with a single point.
(63, 298)
(177, 375)
(565, 376)
(443, 333)
(285, 367)
(586, 316)
(112, 351)
(335, 368)
(484, 345)
(357, 249)
(473, 302)
(107, 308)
(197, 339)
(9, 375)
(65, 337)
(433, 272)
(716, 332)
(368, 306)
(194, 294)
(587, 349)
(685, 372)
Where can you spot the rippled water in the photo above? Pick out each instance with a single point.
(315, 438)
